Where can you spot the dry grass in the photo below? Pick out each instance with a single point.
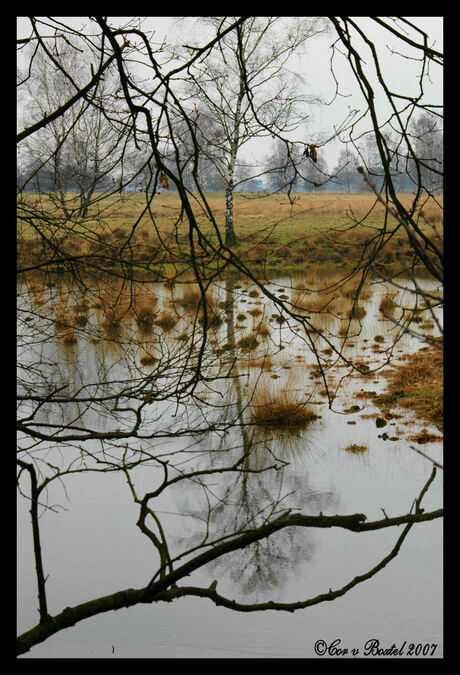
(70, 339)
(283, 409)
(321, 302)
(166, 321)
(62, 322)
(144, 309)
(248, 343)
(356, 449)
(353, 288)
(80, 320)
(267, 228)
(148, 360)
(300, 298)
(314, 299)
(417, 384)
(263, 329)
(190, 298)
(264, 363)
(357, 312)
(387, 305)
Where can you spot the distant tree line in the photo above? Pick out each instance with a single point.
(285, 166)
(288, 166)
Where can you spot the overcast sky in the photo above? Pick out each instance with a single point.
(401, 73)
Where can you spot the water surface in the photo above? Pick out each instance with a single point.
(90, 541)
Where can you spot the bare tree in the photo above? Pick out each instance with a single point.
(402, 157)
(76, 154)
(248, 92)
(148, 400)
(291, 166)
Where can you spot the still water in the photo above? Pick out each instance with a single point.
(91, 545)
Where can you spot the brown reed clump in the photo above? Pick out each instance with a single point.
(61, 323)
(82, 307)
(70, 339)
(387, 305)
(112, 319)
(280, 410)
(213, 319)
(81, 320)
(248, 343)
(357, 312)
(356, 449)
(317, 302)
(190, 298)
(263, 329)
(167, 321)
(300, 299)
(264, 363)
(148, 360)
(417, 384)
(144, 310)
(145, 316)
(353, 288)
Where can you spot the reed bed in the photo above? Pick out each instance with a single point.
(144, 309)
(166, 321)
(284, 408)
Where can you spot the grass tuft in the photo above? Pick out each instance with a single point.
(417, 384)
(167, 321)
(280, 410)
(356, 449)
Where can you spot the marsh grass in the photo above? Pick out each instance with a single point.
(310, 297)
(322, 302)
(262, 329)
(80, 320)
(70, 338)
(267, 228)
(144, 309)
(62, 323)
(166, 321)
(387, 305)
(248, 342)
(357, 312)
(148, 360)
(190, 298)
(355, 449)
(263, 363)
(284, 409)
(417, 384)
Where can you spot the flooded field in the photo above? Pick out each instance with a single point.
(290, 380)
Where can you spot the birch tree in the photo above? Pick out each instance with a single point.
(74, 155)
(248, 92)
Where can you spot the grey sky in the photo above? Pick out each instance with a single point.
(314, 66)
